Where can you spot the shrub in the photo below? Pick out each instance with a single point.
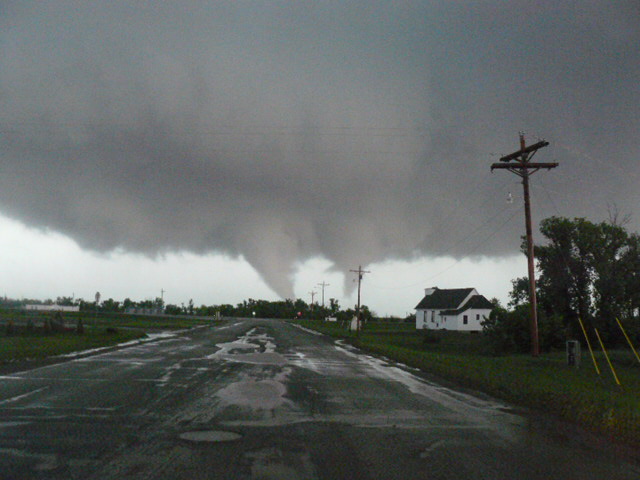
(57, 323)
(552, 332)
(506, 332)
(510, 332)
(430, 337)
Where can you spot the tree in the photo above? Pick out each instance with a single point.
(519, 293)
(589, 271)
(631, 261)
(365, 314)
(334, 306)
(508, 331)
(65, 301)
(609, 272)
(226, 310)
(301, 306)
(172, 309)
(110, 305)
(566, 276)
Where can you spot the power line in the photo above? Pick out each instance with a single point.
(479, 207)
(483, 242)
(224, 130)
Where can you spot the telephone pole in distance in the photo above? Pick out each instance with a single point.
(360, 273)
(323, 284)
(519, 162)
(313, 294)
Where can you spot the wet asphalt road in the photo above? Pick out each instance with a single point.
(260, 399)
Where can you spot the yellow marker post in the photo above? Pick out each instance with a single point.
(607, 357)
(586, 337)
(628, 339)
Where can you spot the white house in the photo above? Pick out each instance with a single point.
(461, 309)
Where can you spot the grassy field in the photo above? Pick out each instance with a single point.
(546, 383)
(22, 347)
(23, 336)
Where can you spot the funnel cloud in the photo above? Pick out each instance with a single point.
(283, 131)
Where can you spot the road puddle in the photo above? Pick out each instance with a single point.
(256, 394)
(254, 348)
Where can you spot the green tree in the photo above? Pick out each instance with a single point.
(588, 270)
(565, 282)
(301, 307)
(334, 306)
(65, 301)
(609, 276)
(110, 305)
(508, 332)
(171, 309)
(631, 263)
(519, 293)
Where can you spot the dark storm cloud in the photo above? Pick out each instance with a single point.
(356, 131)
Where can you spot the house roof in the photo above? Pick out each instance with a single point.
(479, 302)
(445, 299)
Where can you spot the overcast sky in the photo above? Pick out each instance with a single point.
(227, 150)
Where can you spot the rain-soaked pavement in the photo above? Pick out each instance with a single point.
(259, 399)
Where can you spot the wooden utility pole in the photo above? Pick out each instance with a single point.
(313, 294)
(520, 163)
(360, 273)
(323, 284)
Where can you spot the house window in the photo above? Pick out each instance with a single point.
(465, 319)
(477, 316)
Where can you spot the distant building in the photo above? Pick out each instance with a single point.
(461, 309)
(52, 308)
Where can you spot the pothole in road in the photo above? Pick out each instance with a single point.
(210, 436)
(255, 347)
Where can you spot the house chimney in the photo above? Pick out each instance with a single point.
(429, 291)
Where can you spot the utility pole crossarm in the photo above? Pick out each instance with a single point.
(524, 151)
(523, 166)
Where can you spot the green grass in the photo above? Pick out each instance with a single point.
(143, 321)
(23, 345)
(545, 383)
(104, 320)
(38, 346)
